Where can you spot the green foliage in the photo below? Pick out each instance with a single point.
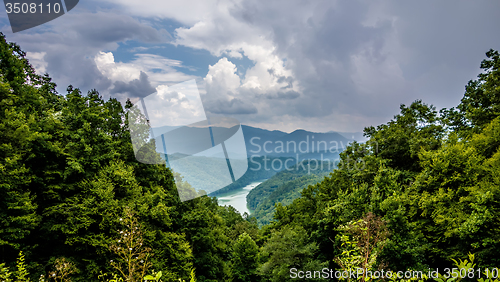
(115, 277)
(394, 278)
(21, 273)
(5, 273)
(284, 187)
(155, 277)
(361, 243)
(68, 169)
(481, 102)
(435, 185)
(244, 259)
(351, 257)
(192, 276)
(287, 248)
(63, 270)
(133, 257)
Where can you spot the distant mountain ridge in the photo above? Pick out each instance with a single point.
(276, 143)
(307, 144)
(284, 187)
(267, 152)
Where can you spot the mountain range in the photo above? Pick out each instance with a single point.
(302, 143)
(267, 152)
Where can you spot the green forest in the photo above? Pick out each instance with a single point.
(75, 205)
(284, 187)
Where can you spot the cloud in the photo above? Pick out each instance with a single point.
(337, 65)
(70, 43)
(187, 12)
(175, 105)
(101, 28)
(317, 42)
(36, 59)
(234, 106)
(350, 62)
(159, 69)
(136, 88)
(285, 95)
(141, 76)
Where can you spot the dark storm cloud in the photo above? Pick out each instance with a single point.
(71, 43)
(365, 58)
(136, 88)
(284, 95)
(234, 106)
(357, 60)
(101, 28)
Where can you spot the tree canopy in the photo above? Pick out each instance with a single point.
(427, 183)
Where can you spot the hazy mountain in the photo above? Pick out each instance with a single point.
(267, 153)
(283, 187)
(357, 136)
(250, 132)
(307, 144)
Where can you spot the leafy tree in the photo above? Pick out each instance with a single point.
(288, 248)
(133, 257)
(244, 259)
(481, 102)
(400, 140)
(67, 167)
(362, 242)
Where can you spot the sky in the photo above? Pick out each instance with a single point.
(286, 65)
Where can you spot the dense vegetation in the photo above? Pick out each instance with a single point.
(284, 187)
(256, 172)
(432, 177)
(68, 174)
(73, 198)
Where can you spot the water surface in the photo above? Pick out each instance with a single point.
(238, 198)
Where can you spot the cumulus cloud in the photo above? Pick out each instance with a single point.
(160, 70)
(323, 65)
(222, 78)
(175, 105)
(350, 62)
(136, 88)
(233, 106)
(227, 93)
(36, 59)
(69, 45)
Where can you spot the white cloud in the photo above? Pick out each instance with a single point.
(105, 62)
(333, 64)
(222, 78)
(70, 44)
(187, 12)
(140, 76)
(36, 59)
(177, 105)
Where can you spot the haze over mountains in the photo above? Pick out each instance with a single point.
(267, 152)
(275, 143)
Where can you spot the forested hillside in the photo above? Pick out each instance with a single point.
(284, 187)
(68, 178)
(424, 189)
(431, 177)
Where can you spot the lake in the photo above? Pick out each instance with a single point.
(238, 198)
